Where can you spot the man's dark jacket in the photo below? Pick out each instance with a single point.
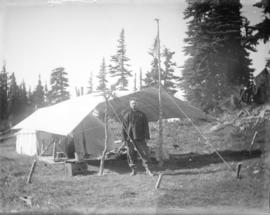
(135, 126)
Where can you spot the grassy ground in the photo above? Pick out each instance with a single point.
(201, 182)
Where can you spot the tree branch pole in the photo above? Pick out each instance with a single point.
(101, 168)
(160, 151)
(31, 171)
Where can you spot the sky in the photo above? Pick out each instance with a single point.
(37, 36)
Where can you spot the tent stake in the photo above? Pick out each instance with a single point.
(238, 170)
(158, 181)
(252, 142)
(34, 165)
(31, 171)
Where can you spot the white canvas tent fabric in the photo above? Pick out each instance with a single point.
(32, 142)
(63, 117)
(26, 142)
(148, 102)
(75, 118)
(71, 118)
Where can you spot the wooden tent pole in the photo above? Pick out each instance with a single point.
(160, 151)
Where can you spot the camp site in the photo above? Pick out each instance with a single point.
(134, 107)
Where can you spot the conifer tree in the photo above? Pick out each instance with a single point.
(90, 86)
(102, 77)
(119, 67)
(262, 29)
(23, 102)
(218, 58)
(47, 96)
(30, 102)
(13, 98)
(59, 84)
(3, 93)
(23, 93)
(169, 78)
(151, 78)
(30, 97)
(152, 75)
(38, 94)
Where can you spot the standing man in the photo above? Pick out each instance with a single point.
(135, 132)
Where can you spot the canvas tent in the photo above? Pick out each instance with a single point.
(70, 123)
(74, 124)
(148, 102)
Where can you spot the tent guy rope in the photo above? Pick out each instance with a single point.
(199, 131)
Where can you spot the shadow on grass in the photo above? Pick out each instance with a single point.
(88, 173)
(195, 160)
(181, 161)
(116, 165)
(210, 190)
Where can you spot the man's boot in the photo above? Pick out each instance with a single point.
(133, 171)
(149, 172)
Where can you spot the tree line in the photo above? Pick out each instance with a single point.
(218, 42)
(17, 102)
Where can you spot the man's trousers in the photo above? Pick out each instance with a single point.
(142, 151)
